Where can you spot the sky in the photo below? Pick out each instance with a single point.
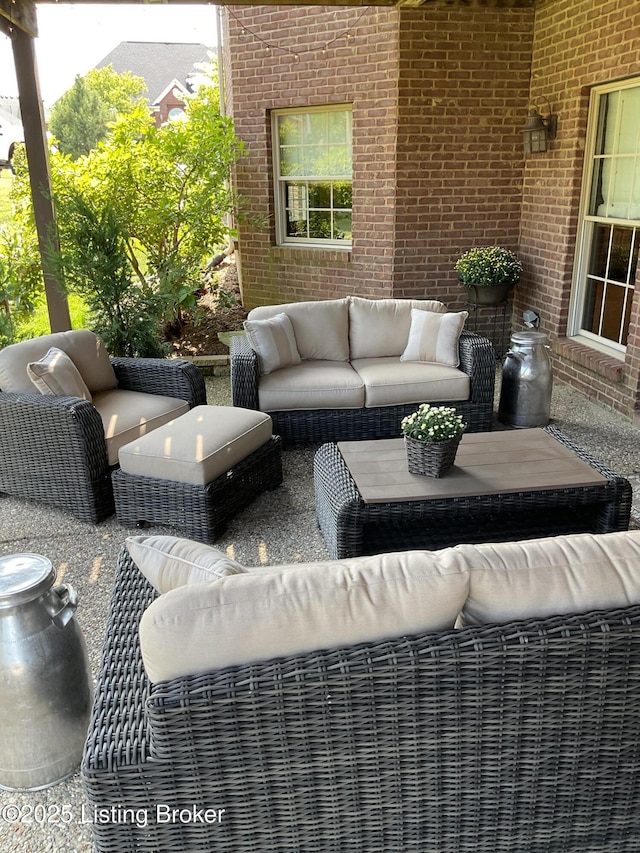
(74, 37)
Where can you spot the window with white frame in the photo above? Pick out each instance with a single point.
(610, 221)
(312, 166)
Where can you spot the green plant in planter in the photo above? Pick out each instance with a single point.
(432, 424)
(484, 266)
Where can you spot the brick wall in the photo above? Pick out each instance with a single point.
(578, 44)
(464, 80)
(436, 161)
(358, 69)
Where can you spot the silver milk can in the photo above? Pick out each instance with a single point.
(525, 396)
(45, 683)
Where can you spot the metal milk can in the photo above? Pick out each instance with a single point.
(45, 683)
(525, 396)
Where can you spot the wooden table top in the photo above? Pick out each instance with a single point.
(487, 463)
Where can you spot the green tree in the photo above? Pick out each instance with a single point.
(139, 216)
(80, 118)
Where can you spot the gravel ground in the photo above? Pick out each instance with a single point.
(279, 527)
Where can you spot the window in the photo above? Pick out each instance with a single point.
(312, 165)
(610, 237)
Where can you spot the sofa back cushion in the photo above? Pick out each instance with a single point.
(545, 577)
(380, 327)
(84, 348)
(321, 328)
(287, 610)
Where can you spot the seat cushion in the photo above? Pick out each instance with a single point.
(552, 576)
(56, 374)
(274, 342)
(312, 385)
(380, 327)
(83, 347)
(168, 562)
(283, 611)
(321, 328)
(197, 447)
(126, 415)
(434, 337)
(390, 382)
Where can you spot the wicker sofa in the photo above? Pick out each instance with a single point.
(516, 733)
(59, 447)
(350, 377)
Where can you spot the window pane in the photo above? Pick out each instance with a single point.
(320, 225)
(290, 129)
(620, 253)
(600, 251)
(342, 194)
(629, 124)
(320, 195)
(342, 225)
(313, 149)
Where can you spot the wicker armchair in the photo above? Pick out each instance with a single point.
(477, 359)
(53, 448)
(518, 738)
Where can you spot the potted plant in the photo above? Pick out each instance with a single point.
(431, 436)
(489, 273)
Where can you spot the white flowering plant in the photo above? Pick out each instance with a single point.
(433, 424)
(486, 265)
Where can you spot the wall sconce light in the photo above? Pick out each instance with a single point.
(538, 130)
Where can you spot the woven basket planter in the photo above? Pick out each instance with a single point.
(431, 459)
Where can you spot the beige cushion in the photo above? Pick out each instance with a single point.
(168, 562)
(321, 328)
(434, 337)
(543, 577)
(56, 374)
(268, 614)
(126, 415)
(380, 327)
(390, 382)
(274, 342)
(312, 385)
(83, 347)
(198, 447)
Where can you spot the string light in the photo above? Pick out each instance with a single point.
(296, 53)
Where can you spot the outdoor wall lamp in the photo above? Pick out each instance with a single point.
(538, 130)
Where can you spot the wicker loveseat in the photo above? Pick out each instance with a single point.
(518, 735)
(352, 375)
(59, 448)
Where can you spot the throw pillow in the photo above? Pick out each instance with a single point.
(56, 374)
(168, 562)
(434, 337)
(274, 342)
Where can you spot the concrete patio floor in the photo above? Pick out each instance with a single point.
(279, 527)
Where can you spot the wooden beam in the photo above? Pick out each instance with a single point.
(18, 15)
(35, 138)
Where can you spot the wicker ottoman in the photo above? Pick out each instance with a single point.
(198, 471)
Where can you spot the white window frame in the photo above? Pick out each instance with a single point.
(280, 181)
(587, 229)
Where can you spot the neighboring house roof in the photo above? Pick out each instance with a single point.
(10, 110)
(158, 63)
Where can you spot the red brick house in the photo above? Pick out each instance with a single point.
(165, 67)
(385, 141)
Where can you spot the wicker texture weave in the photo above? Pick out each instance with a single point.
(201, 512)
(477, 359)
(52, 449)
(351, 527)
(520, 738)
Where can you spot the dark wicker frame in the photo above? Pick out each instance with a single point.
(52, 449)
(351, 527)
(477, 359)
(517, 738)
(200, 512)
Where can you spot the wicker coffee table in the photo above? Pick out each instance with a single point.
(517, 484)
